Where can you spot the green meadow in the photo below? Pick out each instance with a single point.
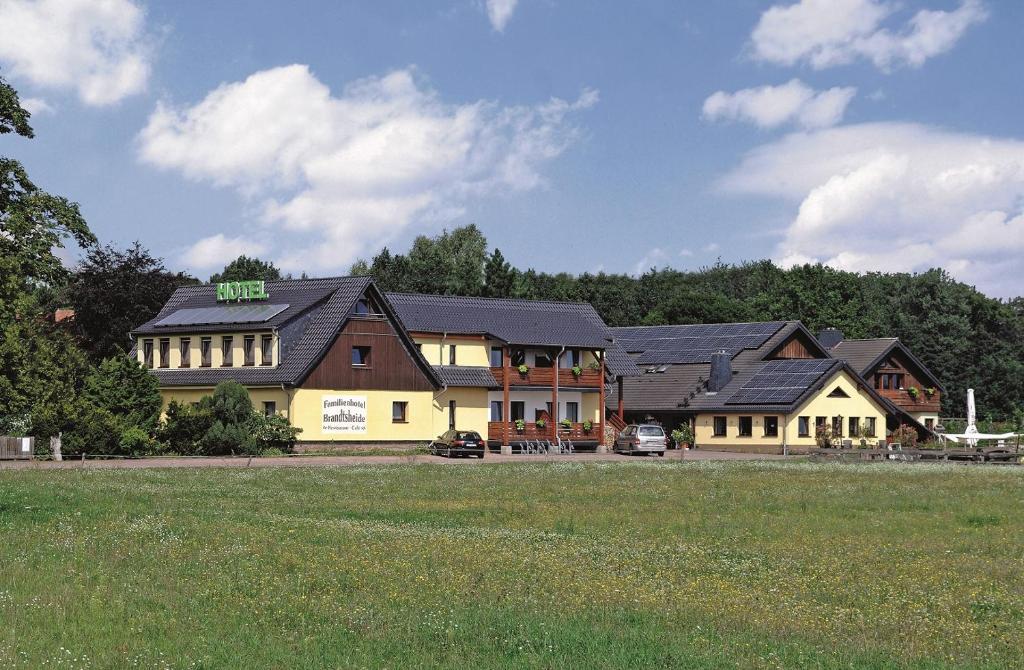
(559, 565)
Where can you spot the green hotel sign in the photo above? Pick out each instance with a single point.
(237, 291)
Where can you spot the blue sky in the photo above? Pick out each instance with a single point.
(579, 136)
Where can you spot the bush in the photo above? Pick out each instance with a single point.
(184, 427)
(231, 403)
(683, 435)
(223, 439)
(92, 430)
(906, 436)
(823, 437)
(273, 433)
(137, 442)
(127, 390)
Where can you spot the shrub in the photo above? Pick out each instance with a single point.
(541, 423)
(683, 435)
(185, 425)
(231, 403)
(906, 436)
(273, 433)
(127, 390)
(914, 393)
(92, 430)
(588, 425)
(137, 442)
(823, 437)
(523, 369)
(576, 371)
(224, 439)
(566, 423)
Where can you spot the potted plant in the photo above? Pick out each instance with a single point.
(594, 365)
(576, 371)
(541, 423)
(588, 425)
(566, 423)
(523, 369)
(914, 393)
(930, 391)
(520, 425)
(683, 436)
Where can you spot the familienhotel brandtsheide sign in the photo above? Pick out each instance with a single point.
(236, 291)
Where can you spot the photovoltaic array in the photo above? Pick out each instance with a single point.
(781, 382)
(202, 316)
(655, 345)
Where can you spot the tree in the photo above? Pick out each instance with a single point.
(499, 277)
(232, 413)
(41, 368)
(244, 268)
(127, 390)
(113, 291)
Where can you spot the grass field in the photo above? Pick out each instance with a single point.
(543, 565)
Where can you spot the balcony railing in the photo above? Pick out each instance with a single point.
(588, 378)
(532, 432)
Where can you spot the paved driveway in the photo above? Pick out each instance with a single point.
(398, 459)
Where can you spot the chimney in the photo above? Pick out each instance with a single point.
(830, 337)
(721, 371)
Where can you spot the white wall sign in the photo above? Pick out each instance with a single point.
(344, 414)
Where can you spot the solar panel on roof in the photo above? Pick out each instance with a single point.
(780, 382)
(202, 316)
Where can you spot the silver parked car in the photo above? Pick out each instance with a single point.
(645, 438)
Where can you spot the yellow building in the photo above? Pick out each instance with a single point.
(760, 387)
(336, 358)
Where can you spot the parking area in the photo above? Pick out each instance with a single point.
(398, 459)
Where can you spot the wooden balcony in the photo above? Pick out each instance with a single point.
(532, 432)
(545, 377)
(903, 400)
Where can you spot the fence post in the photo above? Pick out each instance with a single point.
(55, 441)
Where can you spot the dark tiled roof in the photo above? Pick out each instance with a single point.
(305, 336)
(860, 354)
(523, 322)
(692, 343)
(683, 387)
(300, 295)
(460, 375)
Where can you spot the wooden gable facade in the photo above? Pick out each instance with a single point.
(896, 374)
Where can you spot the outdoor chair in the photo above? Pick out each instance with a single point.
(847, 444)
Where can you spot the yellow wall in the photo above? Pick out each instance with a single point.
(858, 404)
(472, 410)
(237, 355)
(467, 351)
(259, 395)
(307, 414)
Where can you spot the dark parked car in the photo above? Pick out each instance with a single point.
(459, 443)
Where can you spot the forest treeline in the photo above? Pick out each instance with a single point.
(966, 338)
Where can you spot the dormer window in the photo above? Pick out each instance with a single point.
(362, 306)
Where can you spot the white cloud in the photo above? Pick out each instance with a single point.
(654, 258)
(96, 47)
(499, 12)
(897, 196)
(685, 253)
(218, 250)
(37, 106)
(826, 33)
(771, 106)
(341, 172)
(711, 248)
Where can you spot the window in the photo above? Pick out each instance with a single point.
(885, 381)
(572, 411)
(205, 354)
(570, 358)
(451, 415)
(165, 352)
(269, 407)
(838, 393)
(227, 358)
(362, 306)
(869, 426)
(497, 357)
(719, 428)
(249, 350)
(929, 424)
(495, 410)
(771, 426)
(837, 426)
(651, 431)
(518, 410)
(147, 353)
(897, 381)
(854, 426)
(746, 426)
(184, 351)
(804, 426)
(360, 356)
(518, 357)
(399, 410)
(266, 350)
(451, 354)
(542, 360)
